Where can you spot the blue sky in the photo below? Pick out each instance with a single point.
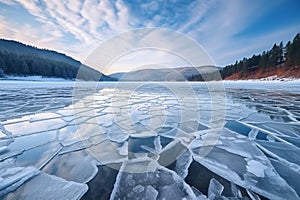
(227, 29)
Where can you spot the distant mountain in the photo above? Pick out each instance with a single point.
(168, 74)
(24, 60)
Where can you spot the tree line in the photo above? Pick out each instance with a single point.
(279, 55)
(32, 65)
(24, 60)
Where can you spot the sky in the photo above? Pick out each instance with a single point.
(227, 30)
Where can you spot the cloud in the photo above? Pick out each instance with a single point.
(218, 30)
(145, 57)
(88, 22)
(76, 26)
(8, 2)
(141, 47)
(29, 33)
(249, 46)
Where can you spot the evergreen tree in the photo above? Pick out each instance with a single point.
(293, 51)
(281, 58)
(288, 59)
(264, 60)
(24, 68)
(20, 59)
(274, 54)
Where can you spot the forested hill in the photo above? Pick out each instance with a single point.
(282, 60)
(24, 60)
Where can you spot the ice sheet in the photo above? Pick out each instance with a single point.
(70, 138)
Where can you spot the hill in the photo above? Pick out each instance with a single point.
(17, 59)
(167, 74)
(281, 61)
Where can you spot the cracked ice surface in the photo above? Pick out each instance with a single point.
(156, 141)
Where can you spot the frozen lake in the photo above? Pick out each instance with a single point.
(66, 140)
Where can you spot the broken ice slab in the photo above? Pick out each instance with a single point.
(182, 163)
(83, 144)
(253, 130)
(105, 120)
(288, 173)
(75, 133)
(161, 182)
(117, 134)
(27, 127)
(291, 140)
(282, 150)
(215, 189)
(284, 129)
(236, 111)
(76, 166)
(256, 117)
(18, 145)
(173, 132)
(242, 163)
(44, 116)
(11, 176)
(38, 156)
(107, 152)
(30, 141)
(150, 193)
(48, 187)
(135, 114)
(171, 152)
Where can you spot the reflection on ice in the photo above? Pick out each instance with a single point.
(159, 183)
(44, 186)
(149, 142)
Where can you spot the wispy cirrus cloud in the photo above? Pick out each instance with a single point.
(82, 23)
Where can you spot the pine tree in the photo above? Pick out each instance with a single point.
(281, 58)
(296, 50)
(288, 59)
(274, 55)
(264, 60)
(26, 69)
(293, 52)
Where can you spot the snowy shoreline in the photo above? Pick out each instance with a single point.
(34, 78)
(266, 79)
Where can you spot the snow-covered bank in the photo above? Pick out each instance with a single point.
(34, 78)
(292, 85)
(266, 79)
